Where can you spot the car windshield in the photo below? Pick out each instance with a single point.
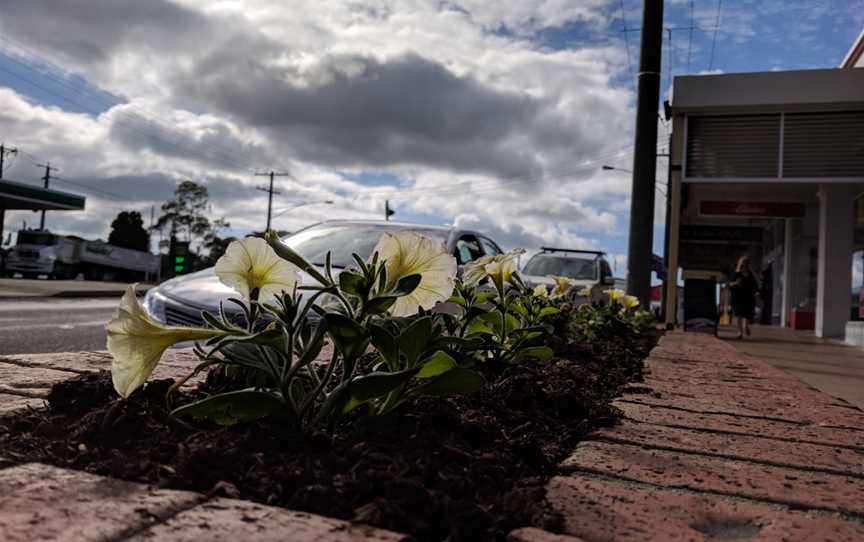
(574, 268)
(342, 240)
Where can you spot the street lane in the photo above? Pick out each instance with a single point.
(54, 325)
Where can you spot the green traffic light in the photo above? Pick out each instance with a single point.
(178, 268)
(179, 259)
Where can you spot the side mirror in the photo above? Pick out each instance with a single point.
(609, 280)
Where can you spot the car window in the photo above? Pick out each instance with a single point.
(342, 240)
(467, 249)
(605, 270)
(574, 268)
(489, 247)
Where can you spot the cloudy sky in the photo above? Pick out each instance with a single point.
(493, 115)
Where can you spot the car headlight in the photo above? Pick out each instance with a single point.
(154, 304)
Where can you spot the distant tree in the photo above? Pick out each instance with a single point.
(127, 230)
(186, 217)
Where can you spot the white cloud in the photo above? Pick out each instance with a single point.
(489, 128)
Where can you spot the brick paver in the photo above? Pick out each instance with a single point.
(230, 520)
(800, 455)
(601, 509)
(40, 502)
(715, 445)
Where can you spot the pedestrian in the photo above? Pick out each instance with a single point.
(744, 287)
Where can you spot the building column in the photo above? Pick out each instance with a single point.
(834, 271)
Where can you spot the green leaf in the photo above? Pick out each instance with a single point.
(385, 343)
(353, 283)
(349, 337)
(456, 380)
(483, 297)
(235, 407)
(380, 305)
(458, 299)
(406, 285)
(538, 352)
(374, 385)
(436, 364)
(477, 327)
(549, 311)
(413, 339)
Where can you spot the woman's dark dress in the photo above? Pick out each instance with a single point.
(744, 295)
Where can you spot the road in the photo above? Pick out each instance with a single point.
(54, 325)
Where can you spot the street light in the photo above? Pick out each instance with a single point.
(283, 211)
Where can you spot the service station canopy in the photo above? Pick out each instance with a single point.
(19, 196)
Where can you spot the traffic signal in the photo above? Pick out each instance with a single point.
(179, 257)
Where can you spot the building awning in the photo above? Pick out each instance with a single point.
(20, 196)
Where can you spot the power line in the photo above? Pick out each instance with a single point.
(91, 189)
(714, 40)
(627, 44)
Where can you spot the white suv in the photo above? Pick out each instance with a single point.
(587, 268)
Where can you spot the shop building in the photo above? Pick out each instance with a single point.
(770, 165)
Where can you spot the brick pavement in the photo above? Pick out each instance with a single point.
(713, 446)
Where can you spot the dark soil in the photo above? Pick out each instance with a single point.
(465, 467)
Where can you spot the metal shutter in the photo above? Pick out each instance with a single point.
(824, 144)
(733, 146)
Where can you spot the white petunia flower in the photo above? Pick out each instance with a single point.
(501, 265)
(251, 264)
(409, 253)
(562, 285)
(615, 294)
(541, 291)
(629, 301)
(136, 342)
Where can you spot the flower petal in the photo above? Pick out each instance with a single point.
(136, 343)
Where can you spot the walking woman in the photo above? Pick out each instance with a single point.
(744, 287)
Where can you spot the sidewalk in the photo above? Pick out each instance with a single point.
(714, 445)
(33, 288)
(829, 365)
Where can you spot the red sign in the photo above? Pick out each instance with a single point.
(759, 209)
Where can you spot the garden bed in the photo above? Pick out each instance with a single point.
(471, 467)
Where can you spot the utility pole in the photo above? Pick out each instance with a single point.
(270, 193)
(388, 212)
(47, 179)
(640, 250)
(3, 152)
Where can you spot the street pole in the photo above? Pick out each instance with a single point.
(640, 250)
(47, 179)
(270, 193)
(3, 151)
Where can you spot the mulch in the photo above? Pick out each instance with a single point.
(462, 468)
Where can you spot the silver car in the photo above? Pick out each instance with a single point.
(179, 301)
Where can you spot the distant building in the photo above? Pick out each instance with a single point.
(771, 165)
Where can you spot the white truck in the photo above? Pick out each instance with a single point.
(40, 252)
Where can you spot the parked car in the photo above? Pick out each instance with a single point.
(587, 268)
(179, 301)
